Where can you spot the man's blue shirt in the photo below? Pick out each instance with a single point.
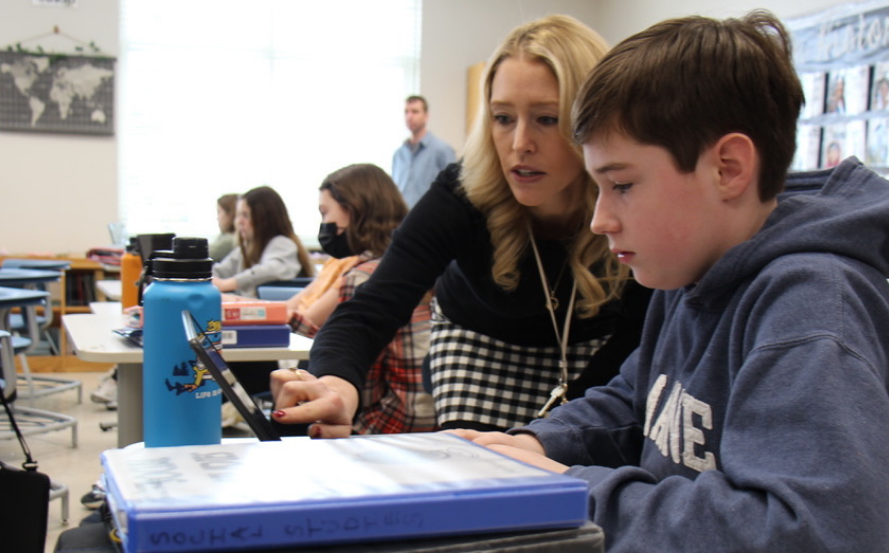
(413, 170)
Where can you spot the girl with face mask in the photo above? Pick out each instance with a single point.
(360, 208)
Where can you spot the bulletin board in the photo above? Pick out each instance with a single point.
(842, 58)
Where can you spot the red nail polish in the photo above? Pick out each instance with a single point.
(278, 414)
(314, 432)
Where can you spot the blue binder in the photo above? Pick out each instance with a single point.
(252, 495)
(255, 336)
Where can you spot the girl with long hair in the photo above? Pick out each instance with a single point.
(268, 250)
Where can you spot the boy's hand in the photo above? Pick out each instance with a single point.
(329, 402)
(524, 447)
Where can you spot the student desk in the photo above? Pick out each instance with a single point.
(26, 277)
(27, 280)
(110, 289)
(11, 298)
(92, 339)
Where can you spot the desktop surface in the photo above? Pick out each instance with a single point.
(93, 339)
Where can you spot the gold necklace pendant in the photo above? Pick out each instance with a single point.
(554, 301)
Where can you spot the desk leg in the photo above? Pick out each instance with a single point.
(129, 403)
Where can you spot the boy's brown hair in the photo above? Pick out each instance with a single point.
(684, 83)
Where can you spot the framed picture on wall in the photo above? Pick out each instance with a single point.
(808, 147)
(879, 99)
(813, 88)
(842, 140)
(847, 90)
(878, 142)
(833, 148)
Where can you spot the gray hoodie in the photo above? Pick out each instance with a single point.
(754, 416)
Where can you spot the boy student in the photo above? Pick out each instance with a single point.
(754, 416)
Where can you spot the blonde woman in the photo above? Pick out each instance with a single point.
(531, 307)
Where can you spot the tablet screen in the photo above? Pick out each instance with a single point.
(210, 357)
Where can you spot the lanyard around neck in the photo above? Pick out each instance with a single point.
(560, 391)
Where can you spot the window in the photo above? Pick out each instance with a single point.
(220, 97)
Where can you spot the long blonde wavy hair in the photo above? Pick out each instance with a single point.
(570, 49)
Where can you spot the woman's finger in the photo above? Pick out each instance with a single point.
(322, 430)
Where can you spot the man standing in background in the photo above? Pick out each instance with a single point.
(418, 161)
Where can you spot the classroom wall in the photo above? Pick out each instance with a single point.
(460, 33)
(57, 191)
(626, 17)
(60, 191)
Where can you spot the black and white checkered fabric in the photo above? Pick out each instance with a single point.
(478, 378)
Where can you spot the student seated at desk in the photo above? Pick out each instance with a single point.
(268, 249)
(227, 240)
(753, 416)
(360, 208)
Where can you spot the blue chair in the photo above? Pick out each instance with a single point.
(43, 421)
(45, 320)
(281, 290)
(35, 274)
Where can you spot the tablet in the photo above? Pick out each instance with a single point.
(210, 357)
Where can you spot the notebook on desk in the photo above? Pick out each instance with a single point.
(251, 495)
(210, 357)
(133, 335)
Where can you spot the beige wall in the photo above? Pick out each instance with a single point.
(626, 17)
(58, 192)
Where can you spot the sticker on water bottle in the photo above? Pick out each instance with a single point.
(189, 376)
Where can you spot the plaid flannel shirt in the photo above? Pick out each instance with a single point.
(393, 399)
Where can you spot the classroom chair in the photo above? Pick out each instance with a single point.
(29, 420)
(43, 385)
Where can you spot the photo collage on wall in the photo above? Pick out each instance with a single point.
(846, 114)
(842, 58)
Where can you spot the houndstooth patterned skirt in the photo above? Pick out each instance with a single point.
(480, 379)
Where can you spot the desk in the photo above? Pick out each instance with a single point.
(42, 264)
(17, 297)
(35, 280)
(110, 289)
(26, 277)
(92, 339)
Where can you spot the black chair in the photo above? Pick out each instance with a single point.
(31, 421)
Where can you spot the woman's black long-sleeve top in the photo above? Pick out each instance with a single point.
(444, 242)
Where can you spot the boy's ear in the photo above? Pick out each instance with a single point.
(737, 162)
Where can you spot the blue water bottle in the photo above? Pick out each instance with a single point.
(181, 402)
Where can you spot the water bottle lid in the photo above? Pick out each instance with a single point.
(189, 258)
(133, 246)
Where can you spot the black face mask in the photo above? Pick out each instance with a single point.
(333, 244)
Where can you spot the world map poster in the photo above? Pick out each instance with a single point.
(56, 93)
